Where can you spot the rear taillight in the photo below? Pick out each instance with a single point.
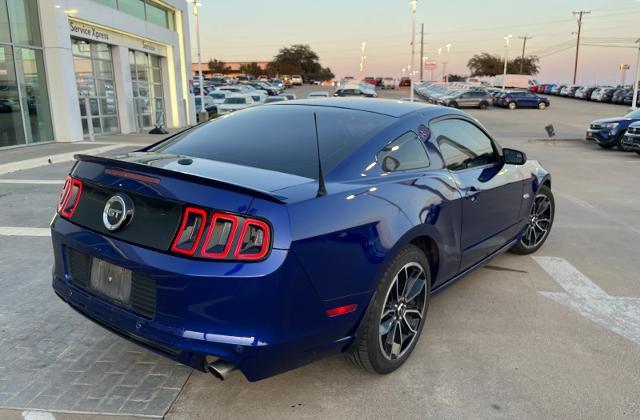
(253, 243)
(248, 238)
(190, 232)
(69, 197)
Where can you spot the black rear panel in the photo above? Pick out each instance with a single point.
(154, 224)
(143, 288)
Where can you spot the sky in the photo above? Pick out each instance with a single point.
(254, 30)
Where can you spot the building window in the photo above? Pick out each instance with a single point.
(33, 91)
(147, 89)
(11, 127)
(25, 115)
(23, 18)
(96, 87)
(147, 10)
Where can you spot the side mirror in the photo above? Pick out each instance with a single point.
(513, 157)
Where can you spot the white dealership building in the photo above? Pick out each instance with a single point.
(73, 69)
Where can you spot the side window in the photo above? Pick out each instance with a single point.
(463, 145)
(403, 154)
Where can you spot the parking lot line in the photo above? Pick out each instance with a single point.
(618, 314)
(32, 181)
(24, 231)
(49, 160)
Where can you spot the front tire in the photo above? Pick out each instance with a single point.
(483, 105)
(512, 105)
(396, 316)
(542, 106)
(539, 223)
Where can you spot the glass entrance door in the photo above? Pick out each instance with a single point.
(94, 76)
(147, 89)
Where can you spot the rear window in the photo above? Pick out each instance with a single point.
(279, 138)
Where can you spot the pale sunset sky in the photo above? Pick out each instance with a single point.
(254, 30)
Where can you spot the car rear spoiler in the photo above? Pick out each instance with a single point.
(123, 164)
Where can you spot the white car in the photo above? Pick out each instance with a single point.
(219, 96)
(296, 80)
(258, 99)
(235, 102)
(388, 83)
(319, 94)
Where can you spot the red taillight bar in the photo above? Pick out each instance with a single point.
(71, 185)
(64, 192)
(212, 225)
(185, 217)
(265, 242)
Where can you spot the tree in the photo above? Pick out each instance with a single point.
(252, 69)
(217, 66)
(299, 59)
(456, 78)
(486, 64)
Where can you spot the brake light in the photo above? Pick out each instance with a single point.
(220, 235)
(253, 242)
(190, 232)
(69, 197)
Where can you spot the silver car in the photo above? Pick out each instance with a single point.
(470, 99)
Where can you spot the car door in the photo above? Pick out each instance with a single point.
(492, 192)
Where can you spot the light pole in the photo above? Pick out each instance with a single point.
(203, 115)
(634, 101)
(439, 61)
(413, 4)
(444, 65)
(507, 40)
(362, 58)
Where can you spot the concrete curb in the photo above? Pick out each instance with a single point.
(554, 140)
(51, 159)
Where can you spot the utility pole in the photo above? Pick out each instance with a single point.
(421, 50)
(580, 14)
(524, 46)
(413, 4)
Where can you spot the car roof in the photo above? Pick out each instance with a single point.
(390, 107)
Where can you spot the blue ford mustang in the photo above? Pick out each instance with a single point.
(276, 235)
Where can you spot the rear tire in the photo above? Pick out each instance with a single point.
(483, 105)
(395, 310)
(540, 222)
(542, 106)
(606, 145)
(454, 105)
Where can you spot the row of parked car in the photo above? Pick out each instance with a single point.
(622, 133)
(622, 95)
(462, 95)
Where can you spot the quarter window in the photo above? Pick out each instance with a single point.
(463, 145)
(403, 154)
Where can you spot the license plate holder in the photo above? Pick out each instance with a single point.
(111, 281)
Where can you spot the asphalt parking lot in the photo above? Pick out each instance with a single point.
(556, 335)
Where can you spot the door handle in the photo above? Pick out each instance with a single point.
(473, 193)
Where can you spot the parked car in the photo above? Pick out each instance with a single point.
(279, 84)
(278, 98)
(319, 94)
(379, 81)
(631, 139)
(474, 99)
(548, 89)
(522, 99)
(289, 96)
(269, 90)
(235, 259)
(571, 92)
(533, 88)
(296, 80)
(628, 98)
(258, 99)
(404, 81)
(618, 95)
(585, 92)
(218, 96)
(540, 88)
(565, 90)
(356, 89)
(602, 94)
(370, 80)
(209, 105)
(608, 132)
(556, 89)
(388, 83)
(235, 102)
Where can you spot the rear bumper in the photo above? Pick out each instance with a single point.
(263, 317)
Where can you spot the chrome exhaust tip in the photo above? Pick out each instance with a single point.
(221, 369)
